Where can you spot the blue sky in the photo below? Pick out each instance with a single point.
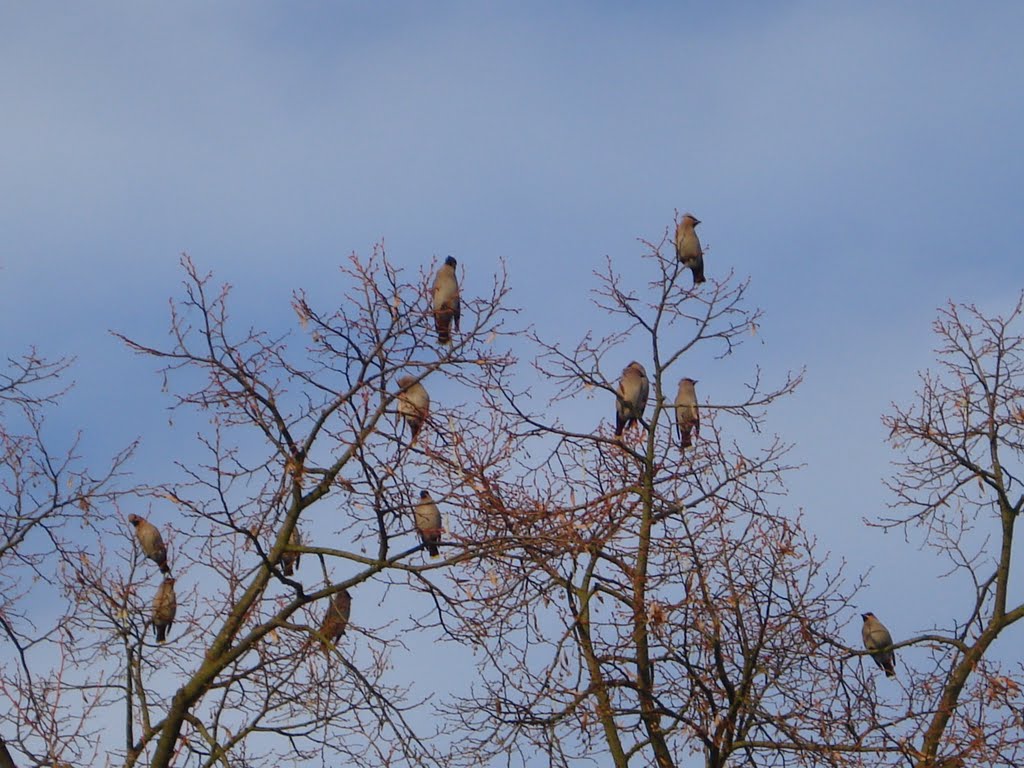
(862, 162)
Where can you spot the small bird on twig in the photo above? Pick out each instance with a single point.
(446, 301)
(428, 523)
(290, 558)
(632, 397)
(688, 249)
(879, 642)
(165, 607)
(336, 621)
(413, 404)
(687, 414)
(151, 542)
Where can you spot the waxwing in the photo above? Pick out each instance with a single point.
(336, 620)
(687, 415)
(413, 404)
(879, 642)
(150, 541)
(290, 558)
(632, 397)
(165, 606)
(428, 523)
(446, 301)
(688, 249)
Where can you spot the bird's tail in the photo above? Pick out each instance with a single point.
(443, 324)
(430, 538)
(161, 634)
(698, 274)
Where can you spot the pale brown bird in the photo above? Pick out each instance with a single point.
(336, 620)
(413, 404)
(446, 301)
(428, 523)
(878, 641)
(165, 606)
(632, 397)
(151, 541)
(688, 249)
(687, 414)
(290, 558)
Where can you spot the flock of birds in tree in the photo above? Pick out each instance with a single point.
(414, 409)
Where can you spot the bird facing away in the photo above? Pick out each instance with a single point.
(446, 301)
(687, 415)
(151, 541)
(336, 620)
(165, 606)
(878, 641)
(413, 404)
(428, 523)
(290, 558)
(688, 247)
(632, 397)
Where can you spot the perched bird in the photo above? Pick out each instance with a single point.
(336, 620)
(446, 301)
(878, 641)
(165, 606)
(687, 415)
(688, 247)
(428, 523)
(151, 541)
(413, 404)
(290, 558)
(632, 396)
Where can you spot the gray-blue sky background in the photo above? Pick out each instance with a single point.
(862, 162)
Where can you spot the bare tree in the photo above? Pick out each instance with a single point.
(624, 599)
(657, 602)
(50, 504)
(294, 435)
(958, 486)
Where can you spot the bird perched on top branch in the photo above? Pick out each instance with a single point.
(688, 249)
(446, 301)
